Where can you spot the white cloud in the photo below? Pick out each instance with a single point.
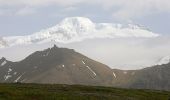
(125, 9)
(136, 8)
(39, 2)
(129, 53)
(122, 53)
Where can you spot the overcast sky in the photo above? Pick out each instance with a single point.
(21, 17)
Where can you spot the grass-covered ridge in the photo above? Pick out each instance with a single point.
(76, 92)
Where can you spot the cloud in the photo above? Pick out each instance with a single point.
(122, 53)
(28, 7)
(126, 9)
(121, 9)
(40, 2)
(136, 8)
(125, 53)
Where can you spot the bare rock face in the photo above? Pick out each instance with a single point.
(57, 65)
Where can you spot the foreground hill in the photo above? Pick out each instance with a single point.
(76, 92)
(56, 66)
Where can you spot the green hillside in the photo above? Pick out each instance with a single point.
(76, 92)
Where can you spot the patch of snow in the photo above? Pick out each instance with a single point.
(74, 64)
(114, 74)
(19, 77)
(3, 63)
(91, 70)
(6, 77)
(63, 66)
(83, 62)
(9, 70)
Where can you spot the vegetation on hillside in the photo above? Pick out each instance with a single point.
(76, 92)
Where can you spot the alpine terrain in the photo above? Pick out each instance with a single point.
(56, 65)
(65, 66)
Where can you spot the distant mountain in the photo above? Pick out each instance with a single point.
(164, 60)
(156, 77)
(75, 29)
(66, 66)
(56, 65)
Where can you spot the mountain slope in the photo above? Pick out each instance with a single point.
(56, 65)
(75, 29)
(156, 77)
(66, 66)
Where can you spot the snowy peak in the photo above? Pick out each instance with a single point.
(70, 28)
(164, 60)
(74, 29)
(77, 24)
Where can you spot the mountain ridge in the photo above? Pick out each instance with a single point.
(66, 66)
(56, 65)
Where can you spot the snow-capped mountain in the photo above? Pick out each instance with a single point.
(164, 60)
(74, 29)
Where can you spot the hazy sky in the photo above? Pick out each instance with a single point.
(21, 17)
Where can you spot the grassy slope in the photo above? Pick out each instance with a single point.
(76, 92)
